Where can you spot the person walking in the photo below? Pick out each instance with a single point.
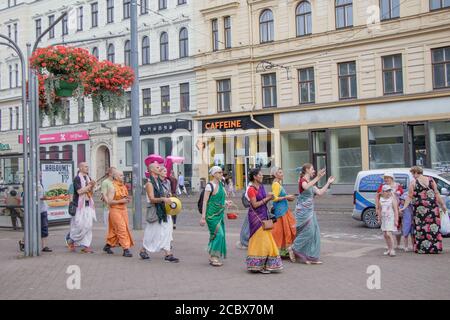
(424, 195)
(43, 208)
(213, 214)
(159, 229)
(397, 191)
(81, 224)
(388, 217)
(262, 255)
(117, 199)
(284, 229)
(12, 203)
(167, 185)
(106, 188)
(306, 245)
(181, 183)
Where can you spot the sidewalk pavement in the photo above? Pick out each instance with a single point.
(344, 274)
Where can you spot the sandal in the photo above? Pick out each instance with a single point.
(144, 255)
(21, 245)
(215, 262)
(47, 249)
(291, 254)
(316, 262)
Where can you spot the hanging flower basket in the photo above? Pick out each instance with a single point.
(61, 71)
(66, 89)
(106, 85)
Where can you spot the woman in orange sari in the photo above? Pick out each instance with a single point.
(118, 230)
(284, 229)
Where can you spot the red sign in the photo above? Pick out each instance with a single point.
(61, 137)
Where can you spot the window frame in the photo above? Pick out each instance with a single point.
(162, 4)
(38, 27)
(227, 31)
(109, 11)
(305, 20)
(311, 83)
(80, 18)
(220, 93)
(94, 15)
(344, 6)
(147, 102)
(127, 53)
(164, 47)
(269, 25)
(441, 6)
(446, 63)
(215, 34)
(391, 6)
(165, 99)
(272, 88)
(395, 71)
(145, 55)
(126, 9)
(185, 96)
(109, 53)
(183, 43)
(349, 78)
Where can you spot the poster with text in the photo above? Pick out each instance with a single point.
(56, 180)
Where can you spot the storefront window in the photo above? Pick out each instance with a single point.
(148, 148)
(128, 154)
(294, 153)
(345, 153)
(440, 145)
(386, 148)
(54, 153)
(165, 147)
(9, 170)
(67, 152)
(185, 150)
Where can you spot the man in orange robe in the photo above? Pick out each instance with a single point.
(118, 230)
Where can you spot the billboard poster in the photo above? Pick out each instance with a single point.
(56, 180)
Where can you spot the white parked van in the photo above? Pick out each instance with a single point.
(367, 183)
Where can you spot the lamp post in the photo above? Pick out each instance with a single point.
(135, 127)
(28, 226)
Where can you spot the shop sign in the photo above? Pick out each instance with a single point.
(56, 180)
(234, 123)
(5, 147)
(157, 128)
(61, 137)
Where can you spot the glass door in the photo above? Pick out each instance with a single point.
(319, 152)
(418, 145)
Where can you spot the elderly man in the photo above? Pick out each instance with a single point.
(117, 199)
(81, 224)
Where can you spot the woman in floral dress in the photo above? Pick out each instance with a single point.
(424, 194)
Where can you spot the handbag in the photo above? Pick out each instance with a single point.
(72, 209)
(151, 216)
(445, 223)
(266, 224)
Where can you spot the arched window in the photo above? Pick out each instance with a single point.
(164, 46)
(266, 33)
(145, 50)
(111, 53)
(95, 52)
(184, 43)
(127, 53)
(303, 18)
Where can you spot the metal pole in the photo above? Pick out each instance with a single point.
(135, 127)
(26, 194)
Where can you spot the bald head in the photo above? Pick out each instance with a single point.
(118, 175)
(110, 171)
(83, 167)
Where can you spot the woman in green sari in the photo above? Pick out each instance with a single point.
(213, 213)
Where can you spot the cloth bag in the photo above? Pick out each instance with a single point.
(151, 216)
(445, 223)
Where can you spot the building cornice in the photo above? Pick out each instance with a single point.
(331, 105)
(216, 9)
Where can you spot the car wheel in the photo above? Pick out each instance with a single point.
(370, 218)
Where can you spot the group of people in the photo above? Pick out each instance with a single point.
(114, 194)
(415, 215)
(267, 235)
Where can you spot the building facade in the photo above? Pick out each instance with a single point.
(166, 78)
(346, 85)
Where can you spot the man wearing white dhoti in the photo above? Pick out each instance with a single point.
(81, 224)
(159, 228)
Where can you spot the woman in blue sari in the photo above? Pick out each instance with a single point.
(306, 245)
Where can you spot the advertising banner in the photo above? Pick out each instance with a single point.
(56, 180)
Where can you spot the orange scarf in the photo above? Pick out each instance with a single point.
(121, 190)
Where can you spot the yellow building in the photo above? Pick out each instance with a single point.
(346, 85)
